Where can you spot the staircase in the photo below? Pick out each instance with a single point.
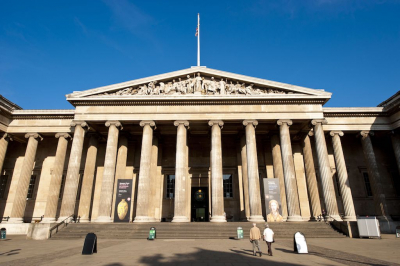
(192, 230)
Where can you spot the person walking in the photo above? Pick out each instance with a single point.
(269, 238)
(255, 237)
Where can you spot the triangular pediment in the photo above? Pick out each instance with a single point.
(198, 82)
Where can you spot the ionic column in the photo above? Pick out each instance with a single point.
(245, 178)
(18, 208)
(278, 172)
(107, 186)
(88, 177)
(217, 186)
(395, 143)
(74, 165)
(374, 175)
(144, 174)
(55, 183)
(311, 177)
(122, 157)
(325, 170)
(3, 149)
(252, 172)
(349, 211)
(180, 173)
(292, 197)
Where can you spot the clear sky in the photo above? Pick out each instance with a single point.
(51, 48)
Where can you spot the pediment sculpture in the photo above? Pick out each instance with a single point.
(196, 85)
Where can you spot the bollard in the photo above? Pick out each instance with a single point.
(152, 233)
(3, 233)
(239, 233)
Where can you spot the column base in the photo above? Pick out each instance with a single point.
(294, 218)
(218, 219)
(84, 220)
(60, 219)
(180, 219)
(144, 219)
(256, 219)
(14, 221)
(350, 218)
(48, 220)
(334, 217)
(103, 219)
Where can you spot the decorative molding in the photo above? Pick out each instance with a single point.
(354, 112)
(336, 132)
(33, 135)
(280, 122)
(184, 122)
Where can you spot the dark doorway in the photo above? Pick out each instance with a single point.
(200, 211)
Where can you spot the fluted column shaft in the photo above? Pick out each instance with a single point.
(3, 149)
(245, 177)
(74, 165)
(395, 143)
(55, 183)
(180, 173)
(349, 211)
(292, 197)
(252, 172)
(88, 177)
(107, 186)
(217, 186)
(325, 170)
(19, 204)
(278, 172)
(312, 185)
(122, 157)
(144, 174)
(374, 175)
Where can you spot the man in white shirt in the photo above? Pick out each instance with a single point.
(269, 238)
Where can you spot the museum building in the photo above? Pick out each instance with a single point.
(196, 145)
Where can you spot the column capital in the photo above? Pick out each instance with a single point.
(310, 133)
(33, 135)
(366, 133)
(336, 132)
(250, 122)
(218, 122)
(117, 124)
(319, 121)
(81, 123)
(147, 122)
(280, 122)
(7, 136)
(184, 122)
(63, 135)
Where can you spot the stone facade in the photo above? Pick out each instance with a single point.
(197, 127)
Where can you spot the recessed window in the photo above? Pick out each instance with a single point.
(3, 184)
(170, 186)
(228, 187)
(31, 188)
(367, 184)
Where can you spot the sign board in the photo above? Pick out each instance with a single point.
(272, 194)
(90, 244)
(300, 244)
(368, 227)
(123, 199)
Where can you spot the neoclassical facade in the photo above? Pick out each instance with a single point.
(197, 145)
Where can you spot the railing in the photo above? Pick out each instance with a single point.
(63, 222)
(5, 218)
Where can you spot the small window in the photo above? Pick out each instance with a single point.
(62, 186)
(228, 188)
(3, 184)
(31, 187)
(170, 186)
(367, 184)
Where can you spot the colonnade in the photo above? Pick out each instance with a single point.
(283, 168)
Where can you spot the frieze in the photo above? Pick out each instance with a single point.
(196, 85)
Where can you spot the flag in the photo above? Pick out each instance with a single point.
(197, 31)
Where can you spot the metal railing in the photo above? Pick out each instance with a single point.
(5, 218)
(63, 222)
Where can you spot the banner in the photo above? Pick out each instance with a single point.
(272, 195)
(123, 201)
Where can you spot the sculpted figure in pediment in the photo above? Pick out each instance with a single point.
(190, 83)
(222, 86)
(198, 86)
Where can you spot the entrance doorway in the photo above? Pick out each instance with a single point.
(200, 211)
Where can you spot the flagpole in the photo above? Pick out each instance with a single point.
(198, 39)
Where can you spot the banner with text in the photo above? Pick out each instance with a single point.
(272, 194)
(123, 201)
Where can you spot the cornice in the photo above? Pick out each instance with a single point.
(43, 114)
(354, 112)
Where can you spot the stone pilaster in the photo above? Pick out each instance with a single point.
(180, 173)
(278, 172)
(217, 189)
(3, 148)
(328, 188)
(107, 186)
(56, 178)
(349, 211)
(88, 178)
(311, 178)
(74, 165)
(252, 172)
(395, 143)
(144, 174)
(374, 176)
(18, 208)
(245, 178)
(292, 197)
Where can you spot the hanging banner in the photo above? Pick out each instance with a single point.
(123, 201)
(272, 195)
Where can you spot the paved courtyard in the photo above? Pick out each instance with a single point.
(19, 251)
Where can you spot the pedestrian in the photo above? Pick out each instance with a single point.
(269, 238)
(255, 237)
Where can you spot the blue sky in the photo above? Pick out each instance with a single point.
(52, 48)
